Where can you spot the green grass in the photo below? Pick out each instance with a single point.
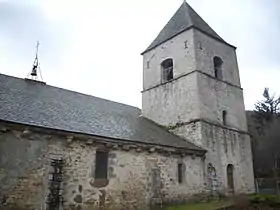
(214, 205)
(201, 206)
(260, 198)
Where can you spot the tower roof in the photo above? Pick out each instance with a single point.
(184, 18)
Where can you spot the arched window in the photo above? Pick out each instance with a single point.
(230, 179)
(224, 117)
(180, 173)
(167, 70)
(218, 63)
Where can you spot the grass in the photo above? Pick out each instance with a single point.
(237, 201)
(259, 198)
(213, 205)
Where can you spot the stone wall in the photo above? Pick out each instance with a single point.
(224, 146)
(206, 48)
(136, 177)
(192, 104)
(180, 49)
(173, 102)
(194, 93)
(176, 100)
(215, 97)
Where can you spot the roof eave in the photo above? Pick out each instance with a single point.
(213, 37)
(220, 40)
(153, 47)
(200, 152)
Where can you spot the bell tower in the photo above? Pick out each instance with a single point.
(191, 86)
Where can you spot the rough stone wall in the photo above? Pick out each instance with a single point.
(183, 58)
(171, 103)
(215, 97)
(206, 48)
(163, 104)
(22, 170)
(199, 96)
(135, 178)
(224, 146)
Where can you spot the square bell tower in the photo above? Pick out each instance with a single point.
(191, 85)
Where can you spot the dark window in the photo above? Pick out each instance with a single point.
(186, 44)
(101, 164)
(230, 178)
(148, 64)
(224, 117)
(180, 172)
(218, 63)
(167, 70)
(200, 46)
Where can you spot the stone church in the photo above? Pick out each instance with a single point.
(61, 149)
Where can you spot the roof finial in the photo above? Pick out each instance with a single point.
(33, 75)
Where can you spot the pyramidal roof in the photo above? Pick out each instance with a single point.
(183, 19)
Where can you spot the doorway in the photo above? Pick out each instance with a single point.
(230, 180)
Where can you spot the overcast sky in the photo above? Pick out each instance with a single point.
(94, 46)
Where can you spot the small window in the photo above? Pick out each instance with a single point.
(218, 63)
(224, 117)
(148, 64)
(101, 165)
(230, 178)
(167, 70)
(180, 173)
(186, 44)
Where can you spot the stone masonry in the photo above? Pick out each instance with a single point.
(146, 164)
(192, 104)
(131, 184)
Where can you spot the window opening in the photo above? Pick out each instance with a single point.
(218, 63)
(101, 165)
(167, 70)
(180, 173)
(224, 117)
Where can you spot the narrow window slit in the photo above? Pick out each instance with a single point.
(180, 173)
(101, 165)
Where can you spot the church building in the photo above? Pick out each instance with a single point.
(61, 149)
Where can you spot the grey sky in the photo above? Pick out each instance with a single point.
(94, 46)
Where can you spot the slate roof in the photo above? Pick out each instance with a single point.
(184, 18)
(33, 103)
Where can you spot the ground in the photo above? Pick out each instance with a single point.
(213, 205)
(241, 202)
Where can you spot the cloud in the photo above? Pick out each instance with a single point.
(254, 27)
(21, 26)
(94, 46)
